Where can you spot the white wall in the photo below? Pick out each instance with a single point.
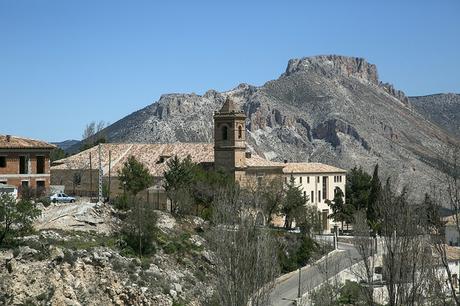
(452, 237)
(313, 182)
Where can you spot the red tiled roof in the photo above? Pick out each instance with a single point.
(311, 168)
(15, 142)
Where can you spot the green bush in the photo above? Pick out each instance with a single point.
(297, 251)
(45, 201)
(121, 202)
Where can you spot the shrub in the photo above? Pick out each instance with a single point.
(121, 202)
(45, 201)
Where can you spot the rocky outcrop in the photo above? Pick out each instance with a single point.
(334, 65)
(58, 267)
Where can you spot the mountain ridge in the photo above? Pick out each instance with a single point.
(317, 110)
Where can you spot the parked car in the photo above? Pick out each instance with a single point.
(61, 198)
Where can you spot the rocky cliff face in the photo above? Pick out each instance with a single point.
(330, 109)
(442, 109)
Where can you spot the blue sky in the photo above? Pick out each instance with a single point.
(66, 63)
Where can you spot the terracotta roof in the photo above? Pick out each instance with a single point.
(153, 156)
(311, 168)
(15, 142)
(257, 161)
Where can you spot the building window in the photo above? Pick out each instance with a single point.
(2, 161)
(25, 184)
(319, 195)
(40, 164)
(300, 180)
(260, 177)
(317, 179)
(240, 132)
(312, 197)
(40, 187)
(308, 180)
(23, 165)
(224, 132)
(325, 191)
(285, 179)
(304, 194)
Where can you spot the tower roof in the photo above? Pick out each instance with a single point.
(229, 106)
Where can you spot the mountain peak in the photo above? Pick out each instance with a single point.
(330, 65)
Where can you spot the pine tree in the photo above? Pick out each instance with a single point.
(341, 212)
(294, 203)
(372, 215)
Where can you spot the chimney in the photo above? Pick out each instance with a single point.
(285, 161)
(248, 154)
(8, 138)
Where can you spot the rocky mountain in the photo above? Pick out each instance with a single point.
(330, 109)
(442, 109)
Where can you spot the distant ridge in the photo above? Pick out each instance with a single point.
(443, 109)
(66, 144)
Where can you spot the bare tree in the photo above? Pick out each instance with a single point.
(450, 165)
(89, 130)
(246, 256)
(408, 263)
(367, 249)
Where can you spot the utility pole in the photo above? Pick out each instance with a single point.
(90, 179)
(110, 173)
(299, 295)
(100, 198)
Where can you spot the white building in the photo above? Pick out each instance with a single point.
(320, 183)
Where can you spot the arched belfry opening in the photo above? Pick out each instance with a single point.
(224, 132)
(229, 143)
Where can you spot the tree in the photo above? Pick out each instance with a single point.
(365, 246)
(15, 218)
(134, 178)
(449, 164)
(178, 180)
(245, 251)
(358, 188)
(341, 212)
(89, 130)
(203, 188)
(293, 204)
(93, 135)
(57, 154)
(372, 211)
(408, 263)
(272, 192)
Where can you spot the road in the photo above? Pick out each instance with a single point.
(286, 290)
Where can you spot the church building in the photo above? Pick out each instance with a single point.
(79, 173)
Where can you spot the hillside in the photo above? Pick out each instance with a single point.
(442, 109)
(330, 109)
(76, 257)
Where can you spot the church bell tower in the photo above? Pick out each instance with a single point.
(230, 140)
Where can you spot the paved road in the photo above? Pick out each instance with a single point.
(314, 275)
